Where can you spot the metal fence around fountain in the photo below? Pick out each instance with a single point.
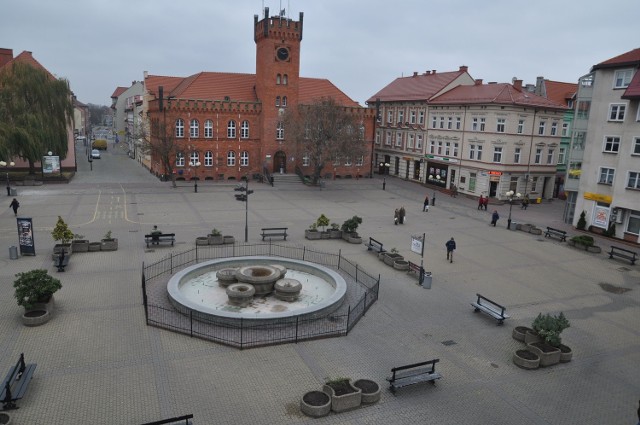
(247, 334)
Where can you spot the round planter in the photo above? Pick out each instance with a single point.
(548, 354)
(263, 278)
(5, 418)
(228, 239)
(370, 390)
(354, 239)
(381, 256)
(94, 246)
(535, 231)
(566, 354)
(287, 289)
(315, 404)
(344, 397)
(531, 336)
(401, 265)
(519, 333)
(282, 269)
(389, 258)
(35, 317)
(226, 276)
(240, 294)
(526, 359)
(202, 240)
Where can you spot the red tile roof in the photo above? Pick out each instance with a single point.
(238, 87)
(560, 92)
(631, 58)
(118, 91)
(503, 94)
(633, 90)
(27, 57)
(416, 87)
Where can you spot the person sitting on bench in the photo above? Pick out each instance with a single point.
(154, 233)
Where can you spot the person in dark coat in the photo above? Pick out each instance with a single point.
(425, 206)
(494, 217)
(396, 217)
(451, 246)
(401, 214)
(15, 205)
(481, 202)
(485, 203)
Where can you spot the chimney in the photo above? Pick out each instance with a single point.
(427, 73)
(478, 82)
(517, 84)
(463, 68)
(6, 56)
(433, 71)
(415, 73)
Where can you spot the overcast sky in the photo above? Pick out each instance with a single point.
(359, 45)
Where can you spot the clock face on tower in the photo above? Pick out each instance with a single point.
(282, 53)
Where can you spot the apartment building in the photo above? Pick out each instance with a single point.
(604, 165)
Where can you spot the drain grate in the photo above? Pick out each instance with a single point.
(449, 342)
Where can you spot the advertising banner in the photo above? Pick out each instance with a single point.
(25, 236)
(50, 164)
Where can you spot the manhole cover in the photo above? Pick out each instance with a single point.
(613, 288)
(449, 342)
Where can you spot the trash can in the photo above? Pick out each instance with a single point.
(514, 225)
(13, 252)
(14, 191)
(426, 280)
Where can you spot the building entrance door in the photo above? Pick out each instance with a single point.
(280, 162)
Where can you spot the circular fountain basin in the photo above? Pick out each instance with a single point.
(196, 290)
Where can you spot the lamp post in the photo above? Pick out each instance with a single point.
(10, 164)
(195, 165)
(244, 197)
(510, 195)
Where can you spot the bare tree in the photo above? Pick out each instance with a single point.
(157, 139)
(326, 131)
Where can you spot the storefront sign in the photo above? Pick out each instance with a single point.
(601, 216)
(441, 158)
(50, 164)
(605, 199)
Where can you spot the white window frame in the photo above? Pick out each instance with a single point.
(520, 126)
(280, 131)
(419, 141)
(622, 78)
(244, 130)
(455, 149)
(244, 159)
(359, 161)
(208, 159)
(472, 152)
(180, 159)
(606, 175)
(231, 129)
(208, 129)
(611, 144)
(194, 158)
(421, 117)
(538, 156)
(565, 129)
(401, 116)
(474, 124)
(410, 141)
(517, 155)
(179, 127)
(432, 147)
(434, 122)
(479, 153)
(554, 128)
(500, 125)
(450, 123)
(347, 161)
(482, 123)
(635, 147)
(562, 155)
(231, 159)
(390, 116)
(541, 128)
(306, 160)
(617, 112)
(412, 116)
(194, 128)
(284, 101)
(378, 137)
(550, 154)
(633, 180)
(398, 139)
(442, 122)
(497, 154)
(387, 141)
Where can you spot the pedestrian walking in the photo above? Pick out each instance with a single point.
(401, 214)
(425, 206)
(525, 202)
(485, 203)
(396, 217)
(481, 202)
(451, 246)
(454, 191)
(15, 205)
(494, 217)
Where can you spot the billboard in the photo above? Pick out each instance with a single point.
(25, 236)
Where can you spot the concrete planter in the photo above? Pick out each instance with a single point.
(312, 234)
(287, 289)
(519, 333)
(566, 354)
(325, 235)
(80, 245)
(341, 402)
(94, 246)
(402, 265)
(215, 239)
(370, 390)
(240, 294)
(390, 258)
(354, 239)
(526, 359)
(548, 354)
(535, 231)
(58, 248)
(202, 240)
(228, 240)
(109, 244)
(315, 404)
(5, 418)
(531, 336)
(335, 234)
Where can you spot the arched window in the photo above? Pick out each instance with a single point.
(284, 100)
(231, 158)
(244, 130)
(194, 158)
(208, 129)
(244, 159)
(194, 129)
(285, 79)
(208, 159)
(179, 127)
(278, 77)
(280, 131)
(277, 100)
(231, 129)
(180, 159)
(306, 160)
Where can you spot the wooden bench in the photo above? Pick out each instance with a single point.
(557, 233)
(413, 374)
(374, 245)
(269, 232)
(160, 238)
(61, 262)
(623, 253)
(492, 308)
(15, 383)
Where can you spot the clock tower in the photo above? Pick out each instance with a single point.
(277, 82)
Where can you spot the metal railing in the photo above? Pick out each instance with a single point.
(247, 333)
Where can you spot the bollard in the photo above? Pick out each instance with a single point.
(13, 252)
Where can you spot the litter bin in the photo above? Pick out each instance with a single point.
(426, 280)
(514, 225)
(14, 191)
(13, 252)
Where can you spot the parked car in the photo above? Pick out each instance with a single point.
(95, 153)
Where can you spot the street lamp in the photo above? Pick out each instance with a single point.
(244, 197)
(10, 164)
(196, 165)
(510, 195)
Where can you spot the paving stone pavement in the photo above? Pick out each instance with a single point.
(98, 363)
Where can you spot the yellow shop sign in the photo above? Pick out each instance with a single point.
(605, 199)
